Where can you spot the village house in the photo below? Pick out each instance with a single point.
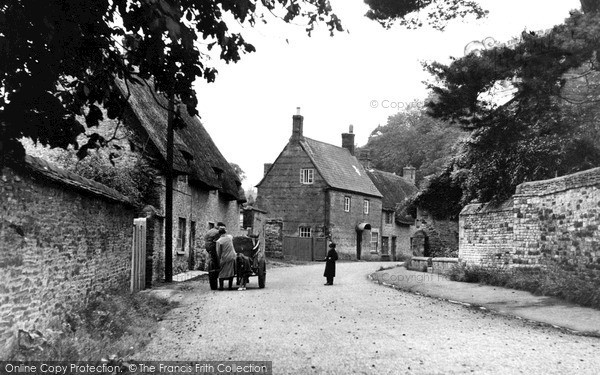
(396, 227)
(206, 189)
(319, 190)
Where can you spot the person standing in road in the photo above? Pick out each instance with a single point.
(227, 256)
(330, 259)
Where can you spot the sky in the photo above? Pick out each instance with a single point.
(359, 77)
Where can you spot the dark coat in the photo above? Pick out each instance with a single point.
(332, 256)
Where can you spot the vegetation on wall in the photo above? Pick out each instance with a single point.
(530, 111)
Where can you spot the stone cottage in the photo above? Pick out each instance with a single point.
(206, 188)
(396, 227)
(319, 190)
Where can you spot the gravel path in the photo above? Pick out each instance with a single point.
(357, 326)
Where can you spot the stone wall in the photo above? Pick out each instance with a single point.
(487, 233)
(342, 224)
(554, 219)
(196, 208)
(63, 240)
(274, 238)
(283, 196)
(442, 235)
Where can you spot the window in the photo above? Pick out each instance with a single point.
(366, 207)
(305, 231)
(181, 235)
(307, 176)
(389, 217)
(374, 241)
(347, 204)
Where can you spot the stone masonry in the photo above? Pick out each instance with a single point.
(553, 219)
(63, 240)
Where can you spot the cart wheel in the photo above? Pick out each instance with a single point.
(261, 279)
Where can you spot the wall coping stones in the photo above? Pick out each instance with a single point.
(43, 168)
(590, 177)
(478, 208)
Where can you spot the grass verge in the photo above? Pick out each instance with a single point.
(578, 286)
(111, 326)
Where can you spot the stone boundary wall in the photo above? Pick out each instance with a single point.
(274, 238)
(63, 240)
(555, 219)
(434, 265)
(486, 233)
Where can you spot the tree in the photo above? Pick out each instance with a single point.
(536, 130)
(412, 137)
(238, 171)
(59, 58)
(407, 12)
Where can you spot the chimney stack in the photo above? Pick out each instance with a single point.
(297, 126)
(409, 173)
(348, 140)
(364, 156)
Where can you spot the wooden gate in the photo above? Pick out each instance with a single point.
(138, 256)
(304, 248)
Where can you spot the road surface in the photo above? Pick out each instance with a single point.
(356, 326)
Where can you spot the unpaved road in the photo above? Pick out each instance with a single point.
(357, 326)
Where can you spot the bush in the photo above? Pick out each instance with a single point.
(577, 286)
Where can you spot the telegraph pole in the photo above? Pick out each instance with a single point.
(169, 192)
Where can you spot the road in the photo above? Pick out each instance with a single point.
(356, 326)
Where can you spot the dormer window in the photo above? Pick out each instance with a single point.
(219, 172)
(307, 176)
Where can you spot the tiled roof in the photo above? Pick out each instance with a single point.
(64, 177)
(193, 139)
(339, 168)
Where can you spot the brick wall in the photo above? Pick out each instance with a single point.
(554, 219)
(63, 239)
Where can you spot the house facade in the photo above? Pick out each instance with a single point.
(320, 190)
(206, 189)
(397, 228)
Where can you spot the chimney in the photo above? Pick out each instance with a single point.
(297, 126)
(409, 173)
(348, 140)
(267, 167)
(364, 156)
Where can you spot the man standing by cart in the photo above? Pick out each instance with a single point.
(210, 244)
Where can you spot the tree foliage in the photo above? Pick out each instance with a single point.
(59, 58)
(543, 125)
(408, 12)
(411, 137)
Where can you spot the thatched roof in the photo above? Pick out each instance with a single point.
(395, 190)
(195, 153)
